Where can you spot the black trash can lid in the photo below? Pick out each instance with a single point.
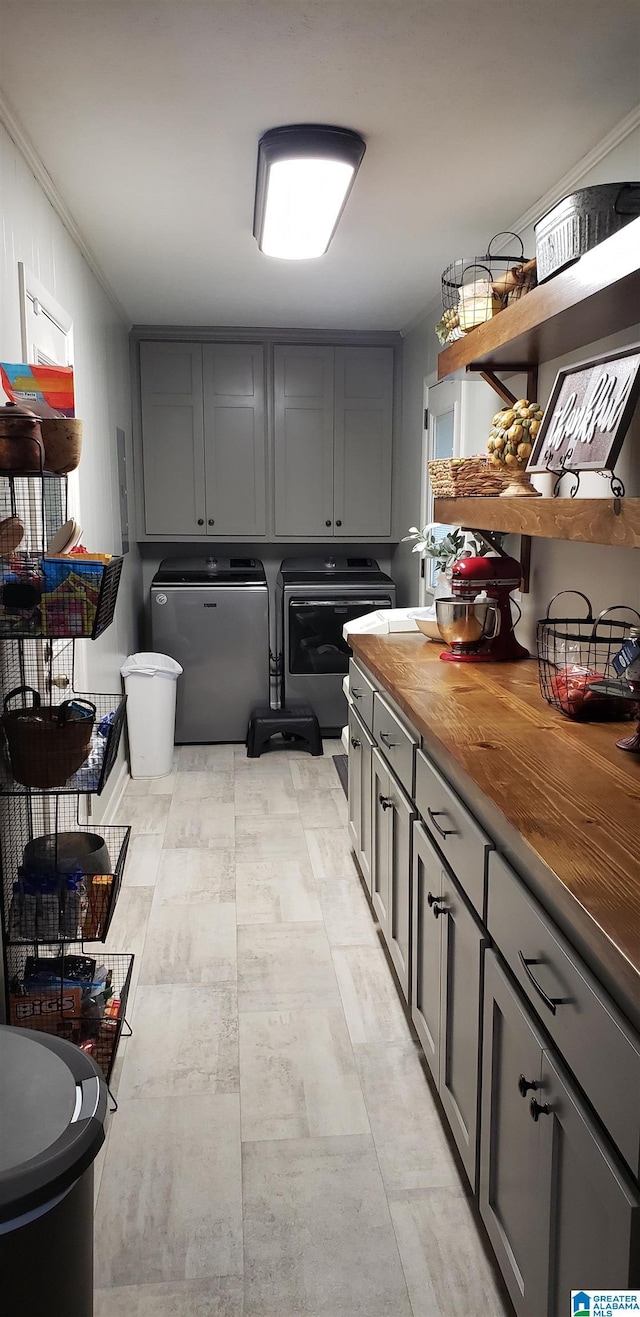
(53, 1102)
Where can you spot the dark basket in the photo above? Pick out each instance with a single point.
(47, 743)
(57, 598)
(60, 878)
(574, 652)
(77, 1011)
(41, 759)
(509, 278)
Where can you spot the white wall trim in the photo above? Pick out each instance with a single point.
(10, 121)
(570, 180)
(115, 796)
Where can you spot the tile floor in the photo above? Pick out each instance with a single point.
(277, 1151)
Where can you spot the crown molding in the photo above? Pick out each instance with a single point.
(10, 121)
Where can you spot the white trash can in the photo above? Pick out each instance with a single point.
(150, 682)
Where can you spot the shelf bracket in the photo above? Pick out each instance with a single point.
(501, 389)
(487, 538)
(490, 377)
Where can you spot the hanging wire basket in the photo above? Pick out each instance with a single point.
(475, 288)
(575, 656)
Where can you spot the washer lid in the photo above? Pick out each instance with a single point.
(212, 570)
(53, 1103)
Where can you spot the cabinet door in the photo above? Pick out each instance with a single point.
(354, 795)
(595, 1209)
(235, 438)
(514, 1181)
(365, 816)
(363, 440)
(401, 816)
(172, 438)
(381, 810)
(463, 942)
(429, 880)
(303, 416)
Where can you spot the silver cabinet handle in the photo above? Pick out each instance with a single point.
(550, 1002)
(384, 737)
(355, 743)
(357, 695)
(385, 802)
(444, 832)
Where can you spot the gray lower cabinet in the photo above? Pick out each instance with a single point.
(392, 816)
(203, 439)
(359, 794)
(448, 943)
(333, 424)
(559, 1208)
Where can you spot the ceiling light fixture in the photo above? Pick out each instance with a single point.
(305, 174)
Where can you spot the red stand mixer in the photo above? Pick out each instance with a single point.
(498, 577)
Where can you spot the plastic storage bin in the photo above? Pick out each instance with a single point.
(150, 683)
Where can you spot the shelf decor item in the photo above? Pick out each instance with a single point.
(512, 432)
(21, 446)
(575, 658)
(62, 439)
(476, 288)
(465, 477)
(581, 221)
(588, 414)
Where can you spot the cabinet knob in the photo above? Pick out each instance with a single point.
(525, 1084)
(201, 521)
(431, 899)
(211, 521)
(385, 802)
(338, 523)
(327, 523)
(439, 910)
(355, 743)
(538, 1109)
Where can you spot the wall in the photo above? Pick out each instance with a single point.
(33, 233)
(607, 575)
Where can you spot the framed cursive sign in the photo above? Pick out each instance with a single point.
(588, 414)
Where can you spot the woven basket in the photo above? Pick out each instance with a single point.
(464, 477)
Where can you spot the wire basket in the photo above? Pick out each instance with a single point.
(60, 877)
(60, 598)
(62, 758)
(475, 288)
(575, 653)
(78, 997)
(32, 510)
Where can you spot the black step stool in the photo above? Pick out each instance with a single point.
(298, 720)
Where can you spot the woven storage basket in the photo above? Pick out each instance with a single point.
(464, 477)
(46, 743)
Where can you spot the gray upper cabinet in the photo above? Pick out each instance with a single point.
(203, 439)
(303, 449)
(333, 423)
(173, 460)
(363, 422)
(235, 438)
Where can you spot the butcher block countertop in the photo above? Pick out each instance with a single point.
(561, 802)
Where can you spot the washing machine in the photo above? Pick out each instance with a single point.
(212, 615)
(314, 599)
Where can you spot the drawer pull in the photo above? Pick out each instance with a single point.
(439, 910)
(385, 802)
(384, 737)
(444, 832)
(538, 1109)
(550, 1002)
(525, 1084)
(357, 695)
(431, 899)
(355, 743)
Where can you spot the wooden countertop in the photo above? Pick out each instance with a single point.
(560, 800)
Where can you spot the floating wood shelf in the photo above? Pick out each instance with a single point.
(597, 296)
(587, 520)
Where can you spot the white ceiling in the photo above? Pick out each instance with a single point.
(147, 114)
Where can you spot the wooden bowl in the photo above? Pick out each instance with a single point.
(62, 439)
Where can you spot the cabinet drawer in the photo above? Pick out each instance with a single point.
(396, 742)
(456, 833)
(361, 692)
(596, 1042)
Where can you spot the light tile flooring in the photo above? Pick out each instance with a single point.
(277, 1151)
